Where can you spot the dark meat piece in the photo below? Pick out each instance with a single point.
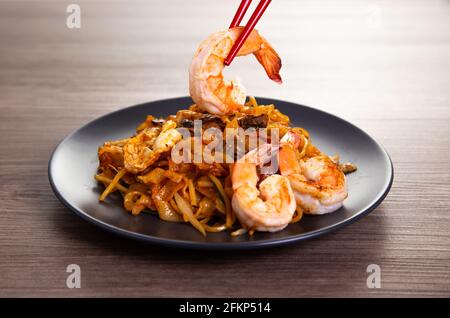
(208, 120)
(158, 122)
(347, 167)
(254, 121)
(187, 123)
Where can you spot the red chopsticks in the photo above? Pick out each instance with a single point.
(243, 7)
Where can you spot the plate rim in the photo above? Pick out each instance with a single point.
(186, 244)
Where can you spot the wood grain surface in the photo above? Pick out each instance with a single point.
(383, 65)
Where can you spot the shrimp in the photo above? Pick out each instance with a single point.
(144, 149)
(110, 154)
(269, 208)
(319, 185)
(208, 89)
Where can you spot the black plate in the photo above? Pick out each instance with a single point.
(74, 163)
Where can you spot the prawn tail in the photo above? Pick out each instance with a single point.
(270, 60)
(287, 161)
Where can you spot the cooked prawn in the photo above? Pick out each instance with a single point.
(145, 148)
(110, 154)
(209, 90)
(319, 185)
(269, 208)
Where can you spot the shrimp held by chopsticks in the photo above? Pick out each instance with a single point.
(209, 90)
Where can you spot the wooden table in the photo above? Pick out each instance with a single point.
(385, 66)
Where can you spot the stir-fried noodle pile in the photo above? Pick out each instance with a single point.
(143, 171)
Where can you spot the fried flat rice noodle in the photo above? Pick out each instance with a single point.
(197, 193)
